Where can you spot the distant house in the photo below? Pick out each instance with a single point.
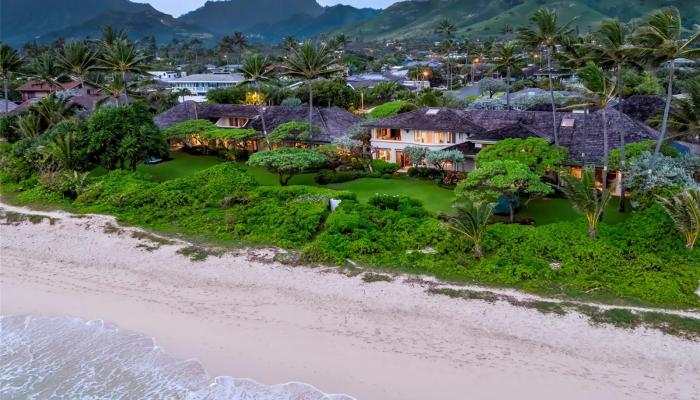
(470, 131)
(35, 90)
(200, 84)
(164, 75)
(334, 122)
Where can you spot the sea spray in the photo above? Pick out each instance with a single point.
(64, 357)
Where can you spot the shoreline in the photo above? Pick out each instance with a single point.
(273, 323)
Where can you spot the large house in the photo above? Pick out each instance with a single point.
(472, 130)
(199, 84)
(333, 122)
(36, 90)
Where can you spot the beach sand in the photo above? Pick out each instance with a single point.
(247, 318)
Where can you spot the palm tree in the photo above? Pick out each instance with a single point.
(309, 62)
(601, 89)
(289, 43)
(239, 40)
(586, 199)
(684, 210)
(29, 126)
(257, 70)
(77, 59)
(661, 38)
(447, 29)
(339, 41)
(123, 58)
(684, 120)
(447, 47)
(51, 110)
(506, 58)
(10, 62)
(470, 222)
(45, 70)
(613, 51)
(62, 150)
(546, 33)
(111, 35)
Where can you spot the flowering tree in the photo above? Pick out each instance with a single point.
(440, 158)
(416, 154)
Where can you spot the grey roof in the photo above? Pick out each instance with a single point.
(333, 121)
(11, 106)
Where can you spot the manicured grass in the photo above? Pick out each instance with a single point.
(551, 210)
(434, 198)
(182, 165)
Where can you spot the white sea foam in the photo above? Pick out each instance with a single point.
(68, 358)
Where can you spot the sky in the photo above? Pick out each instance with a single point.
(179, 7)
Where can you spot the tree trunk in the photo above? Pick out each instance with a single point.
(478, 253)
(554, 107)
(311, 107)
(508, 88)
(511, 210)
(262, 116)
(7, 105)
(126, 95)
(592, 231)
(621, 183)
(605, 149)
(664, 121)
(551, 95)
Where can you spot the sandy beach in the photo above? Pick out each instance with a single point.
(246, 317)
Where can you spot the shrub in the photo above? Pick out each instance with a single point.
(383, 167)
(327, 176)
(425, 172)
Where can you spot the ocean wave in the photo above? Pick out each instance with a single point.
(69, 358)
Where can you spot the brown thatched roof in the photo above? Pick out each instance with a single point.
(584, 138)
(333, 121)
(642, 107)
(439, 119)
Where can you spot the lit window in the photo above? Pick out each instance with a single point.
(432, 111)
(567, 123)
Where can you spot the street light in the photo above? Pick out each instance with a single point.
(474, 63)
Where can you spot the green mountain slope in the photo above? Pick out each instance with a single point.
(303, 26)
(482, 18)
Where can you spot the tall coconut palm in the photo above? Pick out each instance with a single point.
(76, 58)
(470, 222)
(289, 43)
(506, 58)
(546, 33)
(44, 69)
(684, 210)
(123, 58)
(684, 120)
(661, 37)
(586, 199)
(600, 87)
(613, 50)
(257, 70)
(447, 47)
(447, 29)
(309, 62)
(240, 41)
(10, 63)
(52, 110)
(111, 35)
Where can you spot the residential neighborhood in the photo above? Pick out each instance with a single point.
(396, 200)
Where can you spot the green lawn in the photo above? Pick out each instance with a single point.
(435, 199)
(182, 165)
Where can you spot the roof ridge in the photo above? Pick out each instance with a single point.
(323, 120)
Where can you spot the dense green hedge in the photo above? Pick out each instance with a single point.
(640, 260)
